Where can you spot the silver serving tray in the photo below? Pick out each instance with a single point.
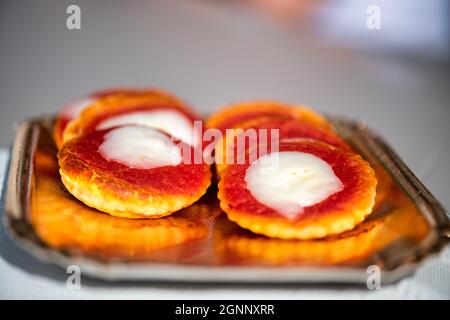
(395, 261)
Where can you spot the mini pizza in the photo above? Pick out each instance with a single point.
(151, 108)
(231, 116)
(73, 110)
(307, 189)
(262, 130)
(133, 172)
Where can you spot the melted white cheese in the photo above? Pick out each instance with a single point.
(171, 121)
(74, 109)
(140, 147)
(297, 181)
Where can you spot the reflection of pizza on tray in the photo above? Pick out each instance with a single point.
(138, 155)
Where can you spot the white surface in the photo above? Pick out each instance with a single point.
(23, 277)
(290, 181)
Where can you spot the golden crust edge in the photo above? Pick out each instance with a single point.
(295, 109)
(104, 200)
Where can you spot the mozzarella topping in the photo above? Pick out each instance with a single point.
(295, 181)
(140, 147)
(171, 121)
(74, 109)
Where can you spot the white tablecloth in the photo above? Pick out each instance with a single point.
(24, 277)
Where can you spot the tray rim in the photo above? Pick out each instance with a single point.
(19, 174)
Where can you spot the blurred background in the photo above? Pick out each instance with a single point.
(386, 62)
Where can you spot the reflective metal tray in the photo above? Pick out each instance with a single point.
(199, 244)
